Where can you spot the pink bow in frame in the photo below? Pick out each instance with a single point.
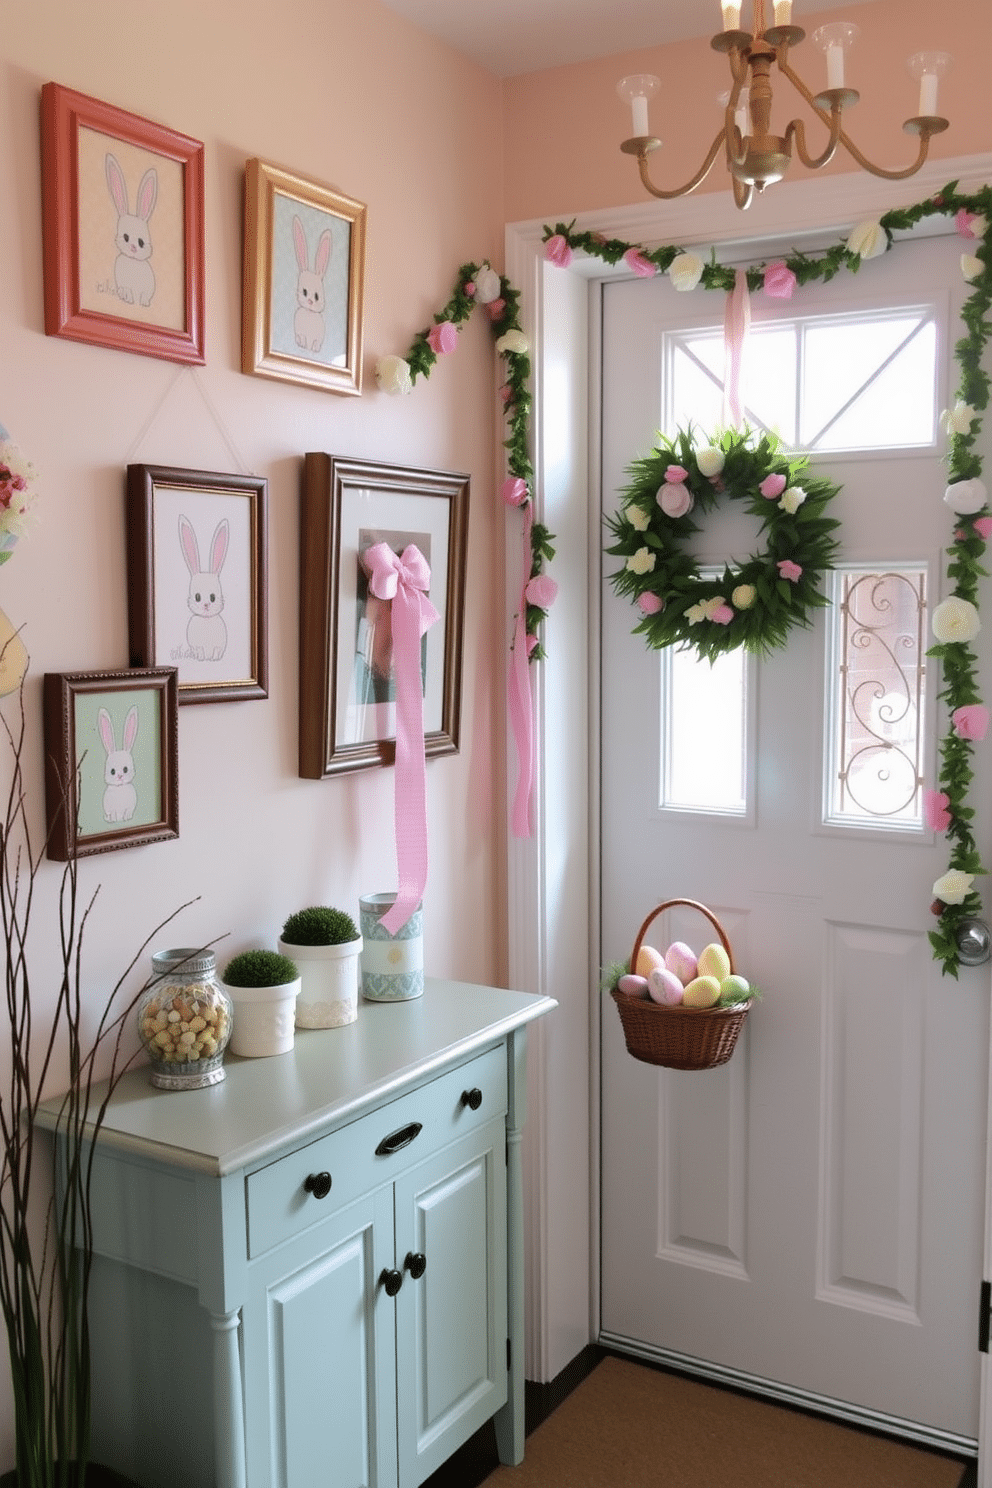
(404, 580)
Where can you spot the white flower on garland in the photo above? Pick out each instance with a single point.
(641, 562)
(959, 419)
(955, 619)
(487, 285)
(743, 596)
(637, 517)
(706, 609)
(868, 240)
(686, 270)
(710, 461)
(392, 374)
(966, 496)
(513, 342)
(971, 267)
(792, 499)
(954, 886)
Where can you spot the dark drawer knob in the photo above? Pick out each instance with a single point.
(472, 1098)
(318, 1184)
(415, 1263)
(392, 1281)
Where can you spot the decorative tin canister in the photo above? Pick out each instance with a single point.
(392, 965)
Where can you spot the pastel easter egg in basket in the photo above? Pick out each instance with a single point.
(647, 959)
(634, 986)
(734, 990)
(703, 992)
(714, 961)
(682, 960)
(665, 987)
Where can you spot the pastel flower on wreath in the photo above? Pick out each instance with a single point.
(649, 604)
(971, 721)
(970, 224)
(792, 499)
(557, 251)
(640, 264)
(487, 285)
(773, 485)
(505, 394)
(710, 461)
(541, 590)
(722, 615)
(954, 886)
(780, 281)
(637, 517)
(513, 342)
(443, 337)
(514, 490)
(468, 289)
(935, 812)
(695, 613)
(955, 619)
(496, 309)
(966, 496)
(971, 267)
(744, 596)
(392, 374)
(789, 570)
(686, 271)
(983, 526)
(710, 609)
(959, 419)
(675, 500)
(868, 240)
(641, 562)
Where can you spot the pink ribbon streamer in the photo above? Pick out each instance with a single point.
(736, 324)
(519, 696)
(404, 580)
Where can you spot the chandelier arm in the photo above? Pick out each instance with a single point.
(701, 174)
(796, 131)
(843, 138)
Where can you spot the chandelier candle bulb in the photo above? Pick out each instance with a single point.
(835, 66)
(783, 12)
(639, 112)
(731, 15)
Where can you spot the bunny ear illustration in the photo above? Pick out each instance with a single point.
(218, 545)
(106, 727)
(117, 184)
(323, 256)
(130, 726)
(147, 194)
(300, 240)
(189, 545)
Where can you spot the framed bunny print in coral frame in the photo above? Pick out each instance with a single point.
(303, 281)
(111, 752)
(122, 217)
(197, 579)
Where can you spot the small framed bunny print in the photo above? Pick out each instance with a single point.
(111, 760)
(122, 218)
(303, 281)
(197, 580)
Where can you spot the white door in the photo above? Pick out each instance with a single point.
(810, 1216)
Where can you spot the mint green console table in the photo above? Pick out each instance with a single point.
(311, 1274)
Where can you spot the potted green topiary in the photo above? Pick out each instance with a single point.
(263, 987)
(327, 947)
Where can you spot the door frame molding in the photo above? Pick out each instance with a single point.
(552, 876)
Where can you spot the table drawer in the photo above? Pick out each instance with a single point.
(292, 1193)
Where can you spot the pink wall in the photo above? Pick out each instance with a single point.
(564, 126)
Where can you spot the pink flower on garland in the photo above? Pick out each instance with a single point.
(531, 644)
(469, 289)
(514, 490)
(983, 526)
(443, 337)
(496, 309)
(935, 812)
(971, 721)
(541, 591)
(642, 266)
(722, 615)
(772, 486)
(675, 473)
(649, 604)
(780, 281)
(505, 394)
(558, 252)
(789, 570)
(969, 224)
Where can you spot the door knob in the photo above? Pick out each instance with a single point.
(415, 1263)
(391, 1281)
(974, 942)
(319, 1184)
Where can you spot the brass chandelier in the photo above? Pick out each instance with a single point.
(756, 157)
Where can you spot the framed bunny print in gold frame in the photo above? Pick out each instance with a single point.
(123, 236)
(197, 590)
(304, 276)
(111, 760)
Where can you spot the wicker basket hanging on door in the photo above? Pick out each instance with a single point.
(679, 1037)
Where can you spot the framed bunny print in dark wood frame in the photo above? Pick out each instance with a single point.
(114, 185)
(197, 580)
(303, 281)
(111, 760)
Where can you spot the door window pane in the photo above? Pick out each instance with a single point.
(704, 732)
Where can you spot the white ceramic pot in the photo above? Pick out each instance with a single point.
(329, 982)
(264, 1019)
